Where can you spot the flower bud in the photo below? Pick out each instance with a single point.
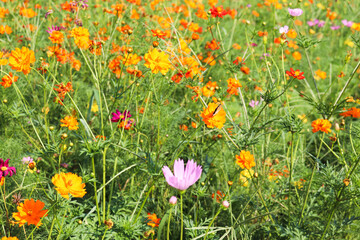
(173, 200)
(225, 204)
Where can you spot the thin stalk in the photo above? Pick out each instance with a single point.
(6, 210)
(338, 199)
(168, 226)
(311, 179)
(142, 205)
(344, 88)
(96, 199)
(104, 182)
(182, 217)
(291, 170)
(212, 221)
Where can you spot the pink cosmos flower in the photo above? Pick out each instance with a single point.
(27, 160)
(284, 29)
(347, 23)
(182, 179)
(295, 12)
(226, 204)
(5, 169)
(173, 200)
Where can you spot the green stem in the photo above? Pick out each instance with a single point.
(212, 221)
(168, 227)
(311, 179)
(291, 170)
(96, 199)
(142, 205)
(104, 182)
(338, 199)
(182, 217)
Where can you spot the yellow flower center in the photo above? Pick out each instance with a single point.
(29, 212)
(4, 169)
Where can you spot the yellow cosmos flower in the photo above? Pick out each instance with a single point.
(157, 61)
(69, 183)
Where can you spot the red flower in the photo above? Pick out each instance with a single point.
(218, 11)
(295, 74)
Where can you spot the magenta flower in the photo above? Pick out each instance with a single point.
(182, 179)
(5, 169)
(54, 28)
(117, 116)
(295, 12)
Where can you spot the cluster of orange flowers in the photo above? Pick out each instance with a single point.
(31, 211)
(351, 112)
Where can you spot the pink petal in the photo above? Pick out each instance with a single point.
(179, 168)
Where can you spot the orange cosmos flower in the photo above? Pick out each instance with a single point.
(30, 212)
(9, 238)
(351, 112)
(291, 33)
(130, 59)
(3, 61)
(56, 37)
(219, 196)
(20, 60)
(209, 89)
(158, 33)
(3, 12)
(213, 45)
(295, 74)
(214, 116)
(322, 125)
(70, 122)
(157, 61)
(296, 55)
(8, 80)
(245, 160)
(153, 220)
(69, 183)
(81, 36)
(5, 29)
(27, 12)
(2, 181)
(245, 70)
(233, 86)
(319, 74)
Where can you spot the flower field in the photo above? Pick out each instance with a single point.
(179, 119)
